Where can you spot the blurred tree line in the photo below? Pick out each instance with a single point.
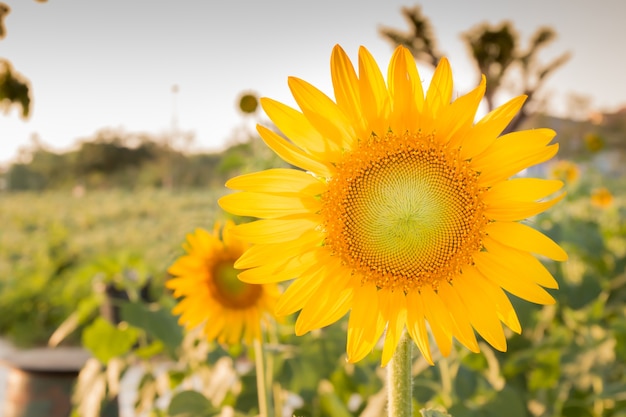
(117, 159)
(15, 89)
(496, 51)
(513, 67)
(129, 160)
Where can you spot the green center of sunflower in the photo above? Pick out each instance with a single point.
(404, 212)
(229, 290)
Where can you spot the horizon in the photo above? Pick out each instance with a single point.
(113, 66)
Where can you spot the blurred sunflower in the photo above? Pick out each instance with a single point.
(601, 197)
(565, 170)
(212, 296)
(403, 214)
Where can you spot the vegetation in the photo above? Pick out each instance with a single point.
(87, 237)
(495, 50)
(121, 160)
(569, 360)
(15, 89)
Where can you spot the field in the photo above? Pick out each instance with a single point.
(54, 244)
(569, 360)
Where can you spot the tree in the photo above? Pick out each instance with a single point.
(420, 39)
(15, 89)
(496, 52)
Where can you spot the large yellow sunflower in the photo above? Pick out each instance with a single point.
(212, 296)
(403, 212)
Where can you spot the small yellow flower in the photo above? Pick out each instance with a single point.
(565, 170)
(403, 213)
(601, 197)
(212, 296)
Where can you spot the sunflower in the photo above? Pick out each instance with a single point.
(212, 296)
(601, 197)
(566, 171)
(403, 212)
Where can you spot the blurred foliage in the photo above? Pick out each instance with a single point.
(85, 245)
(57, 247)
(570, 359)
(15, 89)
(495, 50)
(116, 159)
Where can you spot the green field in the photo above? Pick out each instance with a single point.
(570, 359)
(54, 244)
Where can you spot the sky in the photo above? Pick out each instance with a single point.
(111, 64)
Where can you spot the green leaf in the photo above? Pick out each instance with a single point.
(157, 322)
(465, 383)
(546, 369)
(149, 351)
(507, 402)
(190, 404)
(106, 341)
(330, 403)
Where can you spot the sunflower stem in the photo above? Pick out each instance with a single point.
(261, 386)
(399, 381)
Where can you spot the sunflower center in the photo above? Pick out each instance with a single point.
(229, 290)
(404, 211)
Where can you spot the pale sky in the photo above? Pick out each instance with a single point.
(112, 63)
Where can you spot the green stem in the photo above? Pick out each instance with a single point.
(261, 386)
(399, 381)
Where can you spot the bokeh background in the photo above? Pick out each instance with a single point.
(122, 121)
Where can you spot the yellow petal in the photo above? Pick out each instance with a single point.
(440, 90)
(493, 292)
(268, 206)
(510, 211)
(464, 332)
(522, 262)
(335, 308)
(521, 189)
(280, 269)
(459, 116)
(185, 285)
(203, 242)
(215, 326)
(299, 292)
(362, 325)
(481, 311)
(346, 88)
(259, 255)
(402, 91)
(330, 300)
(299, 130)
(275, 230)
(439, 319)
(501, 273)
(513, 152)
(393, 305)
(187, 264)
(323, 113)
(375, 100)
(520, 236)
(487, 130)
(278, 180)
(416, 324)
(294, 155)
